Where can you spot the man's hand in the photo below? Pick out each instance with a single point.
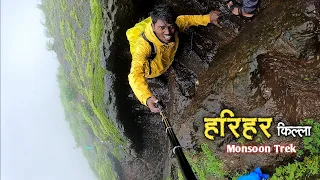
(214, 15)
(151, 104)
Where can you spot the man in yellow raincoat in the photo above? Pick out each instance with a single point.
(163, 33)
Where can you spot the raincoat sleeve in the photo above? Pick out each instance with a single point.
(185, 21)
(136, 77)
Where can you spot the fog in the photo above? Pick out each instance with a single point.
(36, 141)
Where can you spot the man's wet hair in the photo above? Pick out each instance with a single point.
(163, 12)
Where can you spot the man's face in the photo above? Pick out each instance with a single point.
(164, 31)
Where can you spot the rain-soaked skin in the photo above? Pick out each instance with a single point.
(268, 67)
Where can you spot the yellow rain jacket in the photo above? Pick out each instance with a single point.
(165, 54)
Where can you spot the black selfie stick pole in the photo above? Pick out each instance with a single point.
(177, 150)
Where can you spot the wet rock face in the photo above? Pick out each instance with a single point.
(292, 85)
(269, 67)
(146, 153)
(300, 41)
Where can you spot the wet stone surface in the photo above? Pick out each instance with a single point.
(292, 84)
(267, 67)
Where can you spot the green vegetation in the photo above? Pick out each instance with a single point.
(81, 78)
(48, 8)
(103, 164)
(311, 144)
(180, 176)
(206, 165)
(63, 4)
(74, 15)
(237, 175)
(310, 166)
(259, 138)
(69, 93)
(241, 140)
(298, 170)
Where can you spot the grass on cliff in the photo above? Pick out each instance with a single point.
(83, 57)
(81, 77)
(205, 164)
(103, 165)
(309, 168)
(84, 128)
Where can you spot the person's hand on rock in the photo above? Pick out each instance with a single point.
(214, 16)
(151, 101)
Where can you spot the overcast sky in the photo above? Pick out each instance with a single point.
(36, 141)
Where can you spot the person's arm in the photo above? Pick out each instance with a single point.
(136, 77)
(185, 21)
